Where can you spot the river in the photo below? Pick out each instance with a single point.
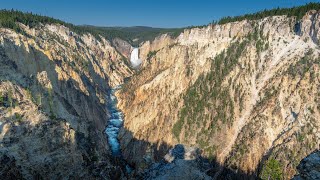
(115, 122)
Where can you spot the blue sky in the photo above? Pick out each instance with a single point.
(155, 13)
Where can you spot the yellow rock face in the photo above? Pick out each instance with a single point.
(273, 89)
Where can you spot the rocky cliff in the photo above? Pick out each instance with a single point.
(309, 167)
(245, 92)
(180, 163)
(53, 84)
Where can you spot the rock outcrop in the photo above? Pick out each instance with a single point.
(309, 167)
(123, 47)
(180, 163)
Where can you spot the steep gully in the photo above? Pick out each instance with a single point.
(116, 119)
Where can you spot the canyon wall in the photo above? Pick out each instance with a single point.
(245, 92)
(53, 84)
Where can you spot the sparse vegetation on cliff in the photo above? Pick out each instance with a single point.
(304, 65)
(1, 99)
(209, 95)
(151, 54)
(272, 170)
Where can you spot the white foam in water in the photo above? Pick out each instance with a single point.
(114, 124)
(113, 98)
(135, 61)
(117, 115)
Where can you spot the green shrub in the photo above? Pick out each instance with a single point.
(300, 137)
(177, 128)
(18, 117)
(38, 99)
(311, 110)
(1, 99)
(10, 100)
(151, 54)
(272, 170)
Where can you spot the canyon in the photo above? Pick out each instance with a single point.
(234, 100)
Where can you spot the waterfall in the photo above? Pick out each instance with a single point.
(135, 61)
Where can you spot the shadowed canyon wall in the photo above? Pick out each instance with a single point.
(53, 84)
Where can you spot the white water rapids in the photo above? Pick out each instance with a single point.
(115, 122)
